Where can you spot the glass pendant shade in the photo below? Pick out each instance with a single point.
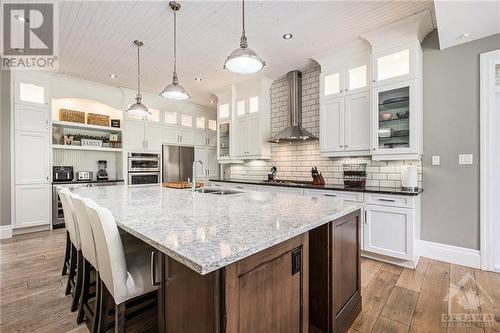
(244, 61)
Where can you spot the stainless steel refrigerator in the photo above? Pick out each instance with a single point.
(177, 163)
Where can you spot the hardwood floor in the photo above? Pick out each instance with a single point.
(394, 299)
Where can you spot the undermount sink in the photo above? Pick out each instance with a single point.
(219, 191)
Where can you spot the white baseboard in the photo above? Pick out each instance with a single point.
(497, 268)
(449, 253)
(5, 231)
(390, 260)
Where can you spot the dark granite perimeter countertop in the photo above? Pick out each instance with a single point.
(332, 187)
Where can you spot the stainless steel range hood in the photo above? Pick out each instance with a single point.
(295, 131)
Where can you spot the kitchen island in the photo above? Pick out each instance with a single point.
(245, 262)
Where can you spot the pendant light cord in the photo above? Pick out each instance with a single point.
(138, 72)
(175, 80)
(243, 39)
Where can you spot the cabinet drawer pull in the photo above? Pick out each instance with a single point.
(330, 195)
(153, 269)
(237, 186)
(387, 200)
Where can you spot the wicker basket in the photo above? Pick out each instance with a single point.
(97, 119)
(72, 116)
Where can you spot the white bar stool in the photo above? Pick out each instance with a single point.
(125, 278)
(74, 284)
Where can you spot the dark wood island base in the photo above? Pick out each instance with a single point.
(311, 279)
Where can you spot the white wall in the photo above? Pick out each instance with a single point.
(497, 180)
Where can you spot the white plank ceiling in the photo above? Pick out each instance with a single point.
(96, 37)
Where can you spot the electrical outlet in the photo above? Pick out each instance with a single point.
(465, 159)
(436, 160)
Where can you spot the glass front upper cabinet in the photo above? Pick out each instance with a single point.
(30, 92)
(200, 122)
(240, 107)
(224, 111)
(357, 78)
(224, 140)
(186, 120)
(212, 124)
(396, 65)
(253, 104)
(171, 118)
(395, 106)
(331, 84)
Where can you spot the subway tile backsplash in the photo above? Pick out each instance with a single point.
(294, 161)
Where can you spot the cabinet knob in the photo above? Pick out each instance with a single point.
(374, 80)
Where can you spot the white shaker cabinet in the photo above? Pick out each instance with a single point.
(345, 125)
(31, 127)
(152, 136)
(143, 136)
(33, 204)
(134, 135)
(32, 157)
(357, 122)
(32, 118)
(331, 125)
(389, 231)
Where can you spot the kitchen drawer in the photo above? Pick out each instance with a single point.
(389, 200)
(344, 195)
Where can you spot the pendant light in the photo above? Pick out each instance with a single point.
(138, 109)
(175, 90)
(244, 60)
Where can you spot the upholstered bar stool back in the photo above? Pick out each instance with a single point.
(111, 261)
(69, 219)
(82, 221)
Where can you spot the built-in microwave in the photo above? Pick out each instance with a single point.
(143, 162)
(143, 178)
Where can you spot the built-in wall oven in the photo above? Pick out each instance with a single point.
(143, 169)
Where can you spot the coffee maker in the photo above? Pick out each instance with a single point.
(102, 174)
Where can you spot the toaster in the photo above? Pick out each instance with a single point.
(83, 175)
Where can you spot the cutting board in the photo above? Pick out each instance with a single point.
(181, 185)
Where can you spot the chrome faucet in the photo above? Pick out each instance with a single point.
(193, 185)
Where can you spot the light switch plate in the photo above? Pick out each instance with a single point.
(465, 159)
(436, 160)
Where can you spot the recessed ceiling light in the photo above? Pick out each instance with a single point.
(212, 101)
(113, 76)
(199, 79)
(287, 36)
(21, 18)
(464, 35)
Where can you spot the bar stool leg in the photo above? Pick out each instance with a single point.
(120, 317)
(103, 307)
(72, 269)
(84, 295)
(66, 255)
(97, 304)
(78, 281)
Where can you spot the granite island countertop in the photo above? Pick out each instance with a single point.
(206, 231)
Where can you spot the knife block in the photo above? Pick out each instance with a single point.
(319, 180)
